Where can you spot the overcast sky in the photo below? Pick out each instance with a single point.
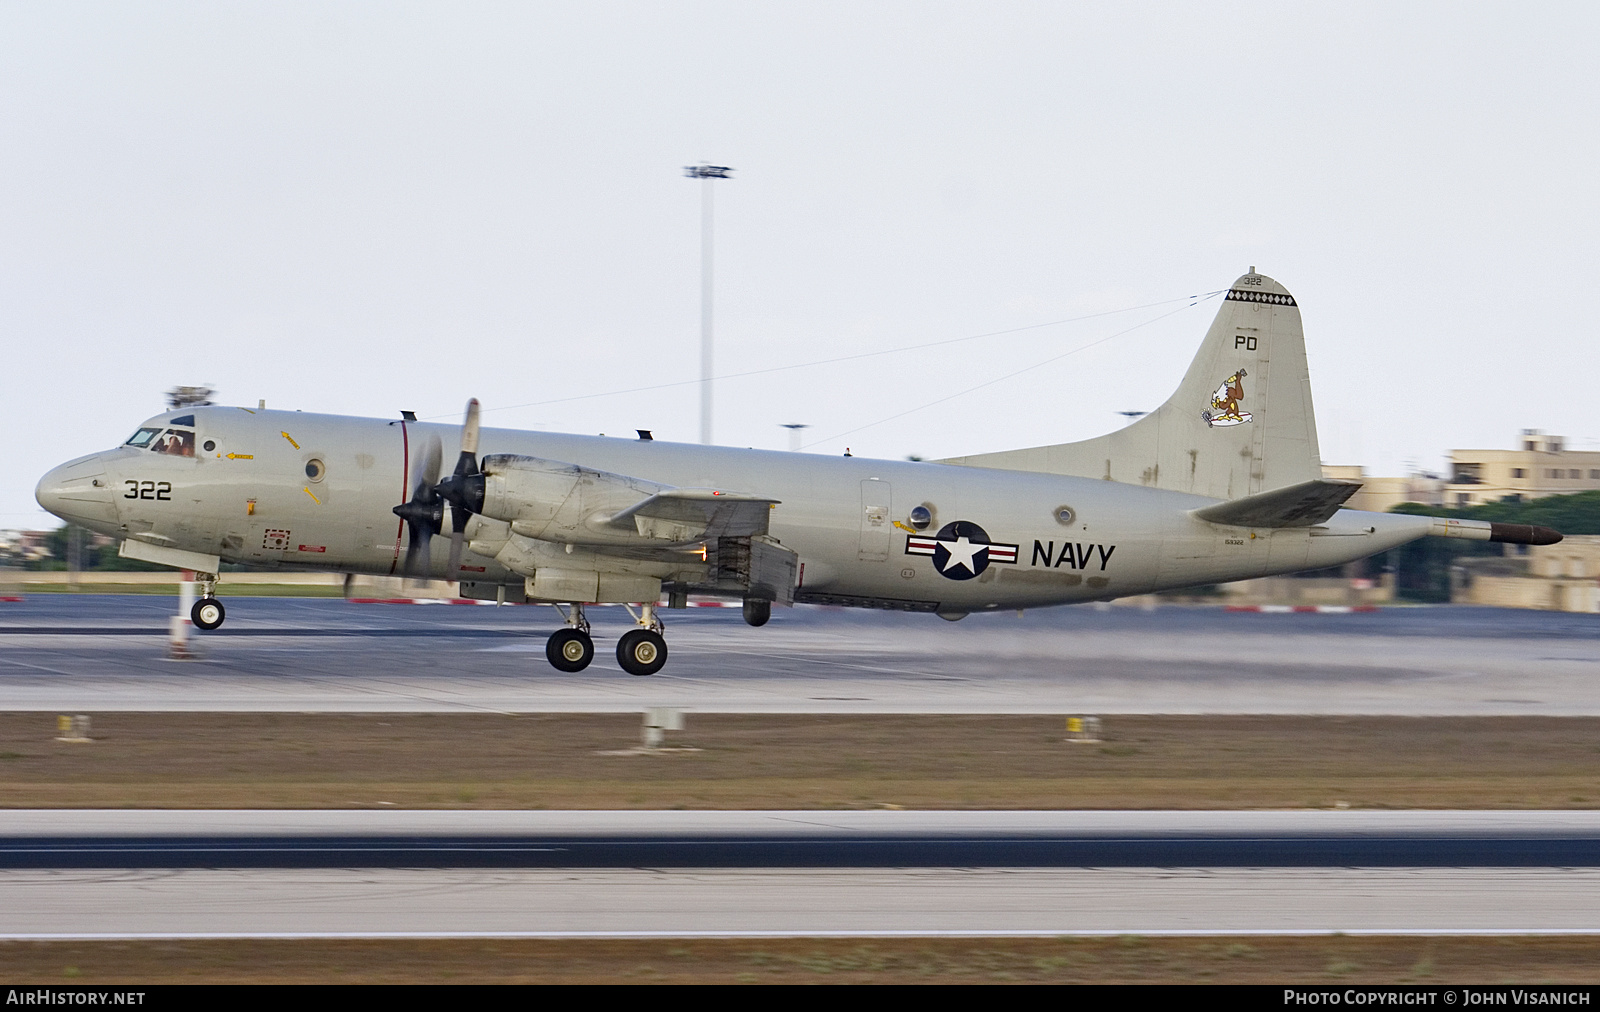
(360, 208)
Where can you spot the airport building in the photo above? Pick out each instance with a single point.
(1559, 577)
(1541, 466)
(1379, 495)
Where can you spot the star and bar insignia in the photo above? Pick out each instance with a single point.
(961, 550)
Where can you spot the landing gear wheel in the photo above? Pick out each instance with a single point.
(207, 613)
(569, 650)
(641, 652)
(756, 611)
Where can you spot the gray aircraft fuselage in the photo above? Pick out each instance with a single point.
(297, 490)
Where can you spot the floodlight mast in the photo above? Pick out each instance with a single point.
(705, 173)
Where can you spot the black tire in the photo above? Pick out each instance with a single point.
(641, 652)
(756, 611)
(569, 650)
(207, 613)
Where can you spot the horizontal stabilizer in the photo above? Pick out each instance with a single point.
(1301, 505)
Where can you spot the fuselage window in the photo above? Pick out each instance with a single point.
(176, 442)
(142, 437)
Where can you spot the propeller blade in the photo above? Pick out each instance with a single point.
(417, 561)
(457, 540)
(432, 459)
(469, 429)
(463, 489)
(467, 463)
(424, 513)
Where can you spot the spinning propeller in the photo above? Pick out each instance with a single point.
(463, 490)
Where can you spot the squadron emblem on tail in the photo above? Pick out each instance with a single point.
(1225, 403)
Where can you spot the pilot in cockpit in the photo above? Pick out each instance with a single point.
(174, 442)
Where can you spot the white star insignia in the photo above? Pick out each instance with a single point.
(961, 552)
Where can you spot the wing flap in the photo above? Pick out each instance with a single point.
(1300, 505)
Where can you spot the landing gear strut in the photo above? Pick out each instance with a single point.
(207, 613)
(643, 651)
(571, 649)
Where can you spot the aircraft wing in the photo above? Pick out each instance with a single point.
(589, 535)
(688, 514)
(1301, 505)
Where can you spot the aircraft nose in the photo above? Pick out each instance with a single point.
(78, 492)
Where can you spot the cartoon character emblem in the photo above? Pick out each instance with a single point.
(1225, 403)
(961, 550)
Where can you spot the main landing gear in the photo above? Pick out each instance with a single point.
(571, 649)
(641, 651)
(207, 613)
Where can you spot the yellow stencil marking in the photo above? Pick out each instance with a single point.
(313, 496)
(249, 507)
(903, 527)
(290, 438)
(240, 456)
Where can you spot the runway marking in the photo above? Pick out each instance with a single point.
(37, 667)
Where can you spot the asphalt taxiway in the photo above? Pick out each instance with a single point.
(84, 652)
(794, 839)
(1254, 885)
(274, 874)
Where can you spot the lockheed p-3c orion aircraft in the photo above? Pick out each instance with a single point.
(1222, 482)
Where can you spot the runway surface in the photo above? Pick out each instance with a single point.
(98, 653)
(778, 902)
(1036, 898)
(794, 839)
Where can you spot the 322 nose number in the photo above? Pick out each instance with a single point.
(148, 490)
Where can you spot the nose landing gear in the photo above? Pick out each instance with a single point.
(207, 613)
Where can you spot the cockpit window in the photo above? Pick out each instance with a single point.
(182, 420)
(142, 437)
(176, 442)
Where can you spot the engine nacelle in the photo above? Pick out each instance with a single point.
(565, 503)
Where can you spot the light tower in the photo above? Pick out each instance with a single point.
(706, 174)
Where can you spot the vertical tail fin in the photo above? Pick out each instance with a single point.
(1241, 421)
